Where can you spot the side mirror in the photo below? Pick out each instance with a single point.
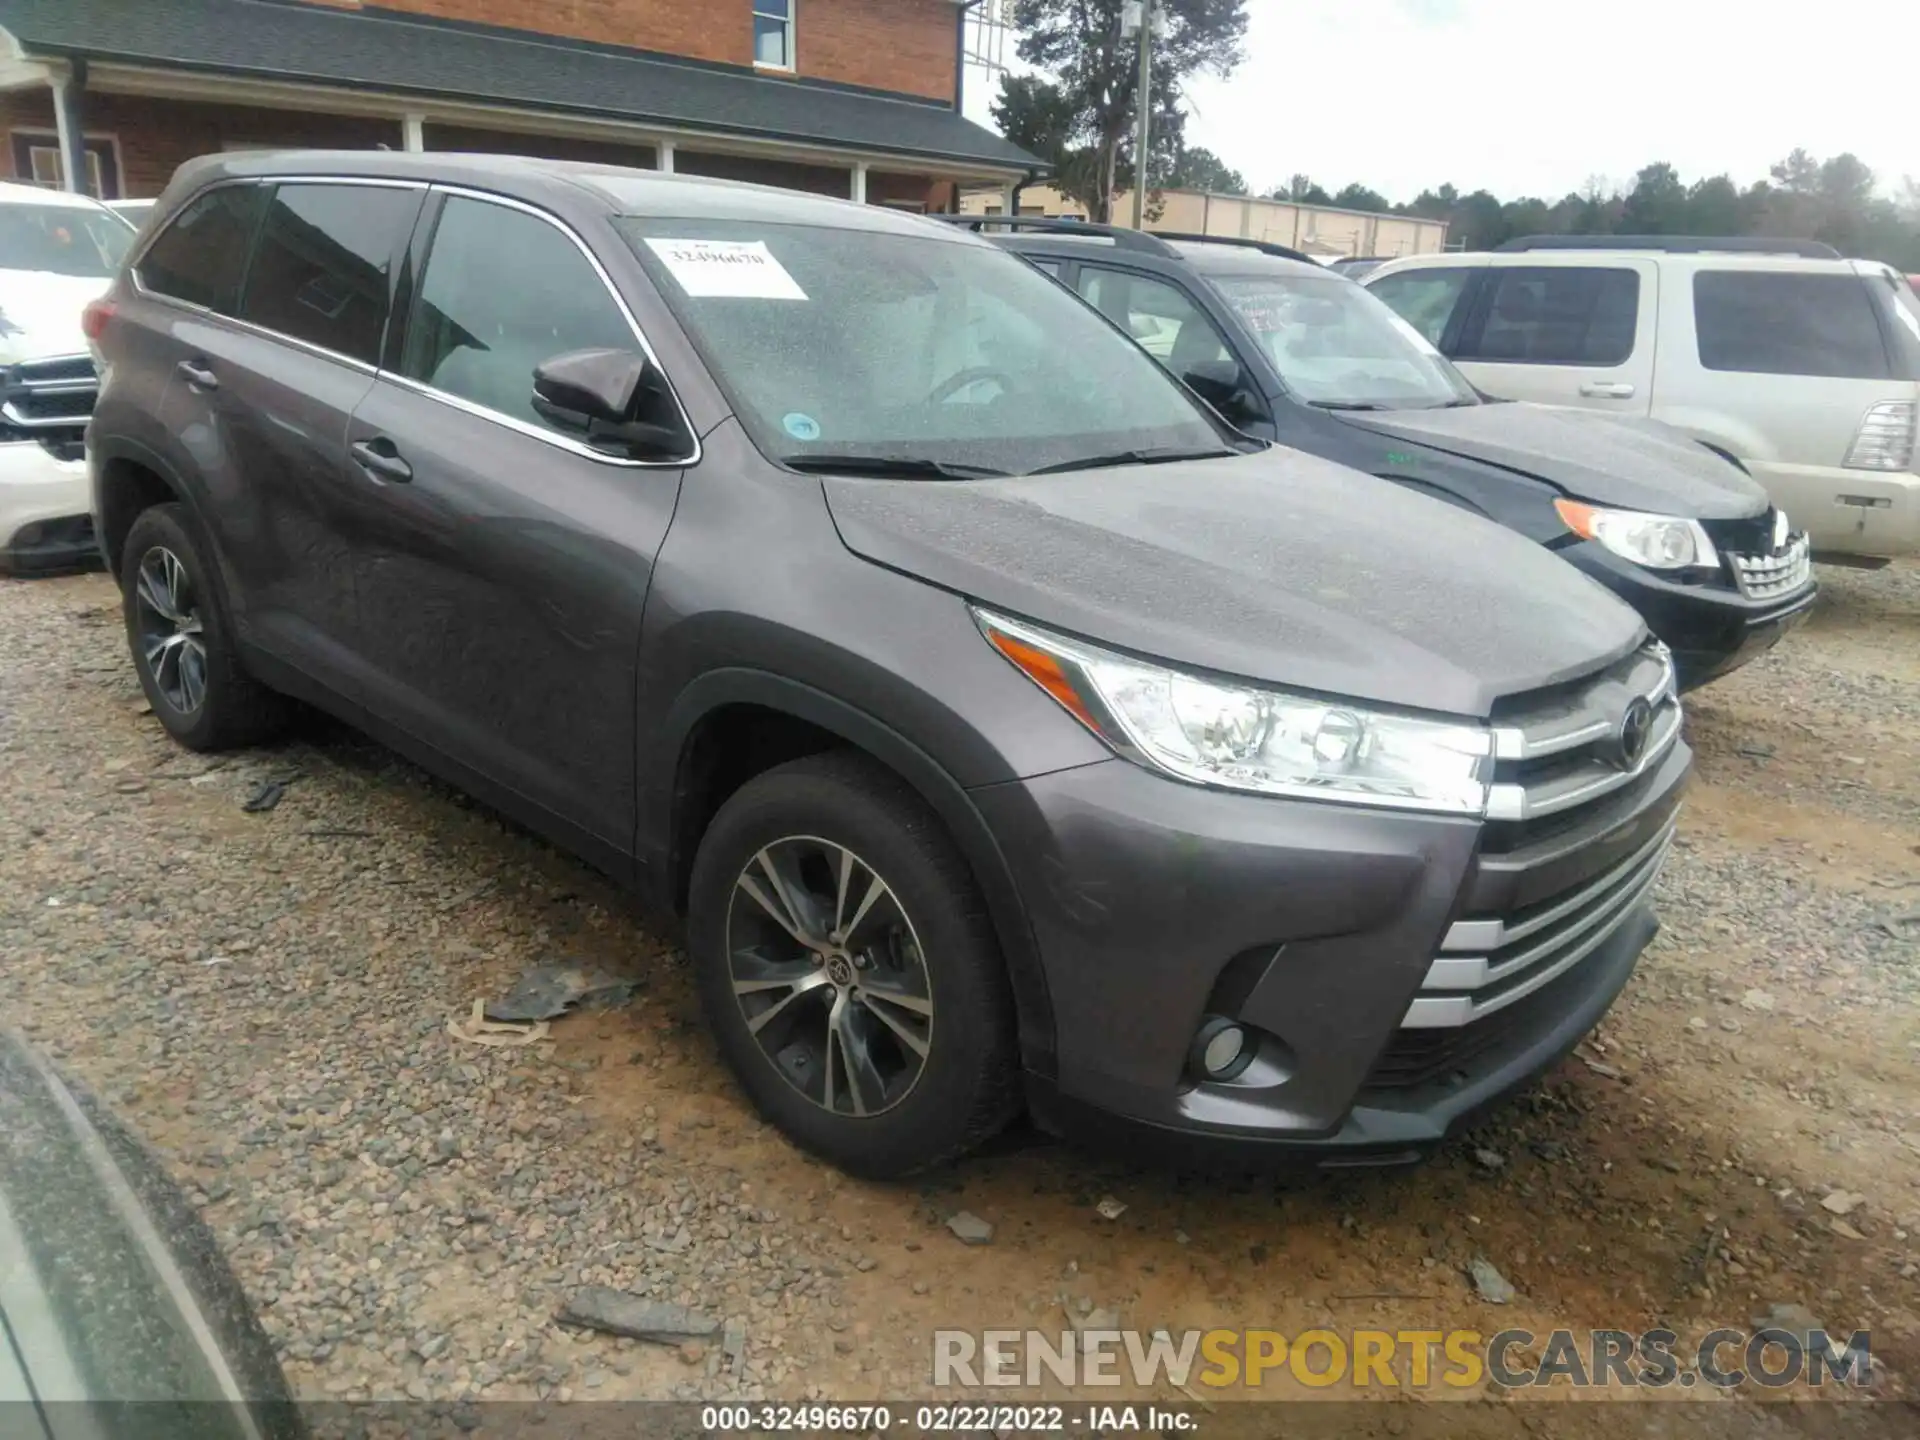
(1223, 385)
(615, 400)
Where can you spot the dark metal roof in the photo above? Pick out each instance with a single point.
(407, 55)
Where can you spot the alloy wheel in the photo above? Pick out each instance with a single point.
(171, 637)
(829, 975)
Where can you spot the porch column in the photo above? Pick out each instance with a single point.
(70, 126)
(413, 132)
(663, 157)
(859, 191)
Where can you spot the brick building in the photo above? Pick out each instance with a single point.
(846, 97)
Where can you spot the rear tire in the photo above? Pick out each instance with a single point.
(182, 644)
(878, 1031)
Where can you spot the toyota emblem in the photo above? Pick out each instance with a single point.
(1636, 727)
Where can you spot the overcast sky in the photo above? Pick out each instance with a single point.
(1534, 96)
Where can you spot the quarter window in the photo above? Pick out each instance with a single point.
(1556, 315)
(504, 291)
(1163, 321)
(773, 33)
(1426, 299)
(322, 265)
(201, 256)
(1779, 323)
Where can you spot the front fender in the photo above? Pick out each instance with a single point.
(739, 685)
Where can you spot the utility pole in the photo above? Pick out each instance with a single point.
(1143, 97)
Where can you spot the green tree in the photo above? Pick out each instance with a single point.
(1197, 168)
(1079, 114)
(1657, 204)
(1716, 207)
(1359, 197)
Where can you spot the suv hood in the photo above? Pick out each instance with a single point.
(1621, 460)
(1275, 566)
(40, 313)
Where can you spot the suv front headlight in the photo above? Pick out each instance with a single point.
(1253, 738)
(1660, 542)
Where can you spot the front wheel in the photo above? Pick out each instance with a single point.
(849, 971)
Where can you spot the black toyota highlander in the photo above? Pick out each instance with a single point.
(1290, 352)
(1006, 727)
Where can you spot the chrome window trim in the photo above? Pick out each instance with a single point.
(418, 387)
(553, 437)
(191, 307)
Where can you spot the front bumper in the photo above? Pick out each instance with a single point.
(1155, 905)
(1712, 629)
(45, 523)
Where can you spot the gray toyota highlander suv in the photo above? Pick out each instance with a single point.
(1006, 728)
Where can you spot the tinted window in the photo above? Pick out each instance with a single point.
(321, 266)
(1558, 315)
(1167, 323)
(908, 344)
(1425, 298)
(1775, 323)
(503, 292)
(202, 255)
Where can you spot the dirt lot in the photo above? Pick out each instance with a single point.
(267, 998)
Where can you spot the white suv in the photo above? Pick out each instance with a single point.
(57, 252)
(1803, 366)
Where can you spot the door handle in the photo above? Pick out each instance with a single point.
(380, 460)
(198, 375)
(1607, 390)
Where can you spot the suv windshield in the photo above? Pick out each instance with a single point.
(841, 342)
(62, 240)
(1337, 346)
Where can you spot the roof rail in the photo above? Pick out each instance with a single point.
(1122, 237)
(1265, 247)
(1678, 244)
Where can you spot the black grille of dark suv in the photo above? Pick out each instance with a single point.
(1571, 849)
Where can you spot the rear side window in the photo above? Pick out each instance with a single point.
(321, 268)
(202, 254)
(1556, 315)
(503, 292)
(1426, 299)
(1777, 323)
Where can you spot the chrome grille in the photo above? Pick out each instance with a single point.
(1485, 965)
(1564, 750)
(1765, 577)
(39, 396)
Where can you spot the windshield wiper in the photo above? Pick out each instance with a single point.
(904, 466)
(1160, 456)
(1346, 405)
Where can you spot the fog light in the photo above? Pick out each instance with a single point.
(1221, 1050)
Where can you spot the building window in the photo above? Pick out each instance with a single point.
(773, 33)
(36, 160)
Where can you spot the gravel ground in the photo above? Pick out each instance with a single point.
(267, 998)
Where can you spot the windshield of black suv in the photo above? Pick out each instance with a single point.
(1337, 346)
(62, 240)
(920, 348)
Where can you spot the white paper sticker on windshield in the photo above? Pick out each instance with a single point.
(737, 269)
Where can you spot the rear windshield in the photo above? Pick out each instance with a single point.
(1336, 345)
(62, 240)
(839, 341)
